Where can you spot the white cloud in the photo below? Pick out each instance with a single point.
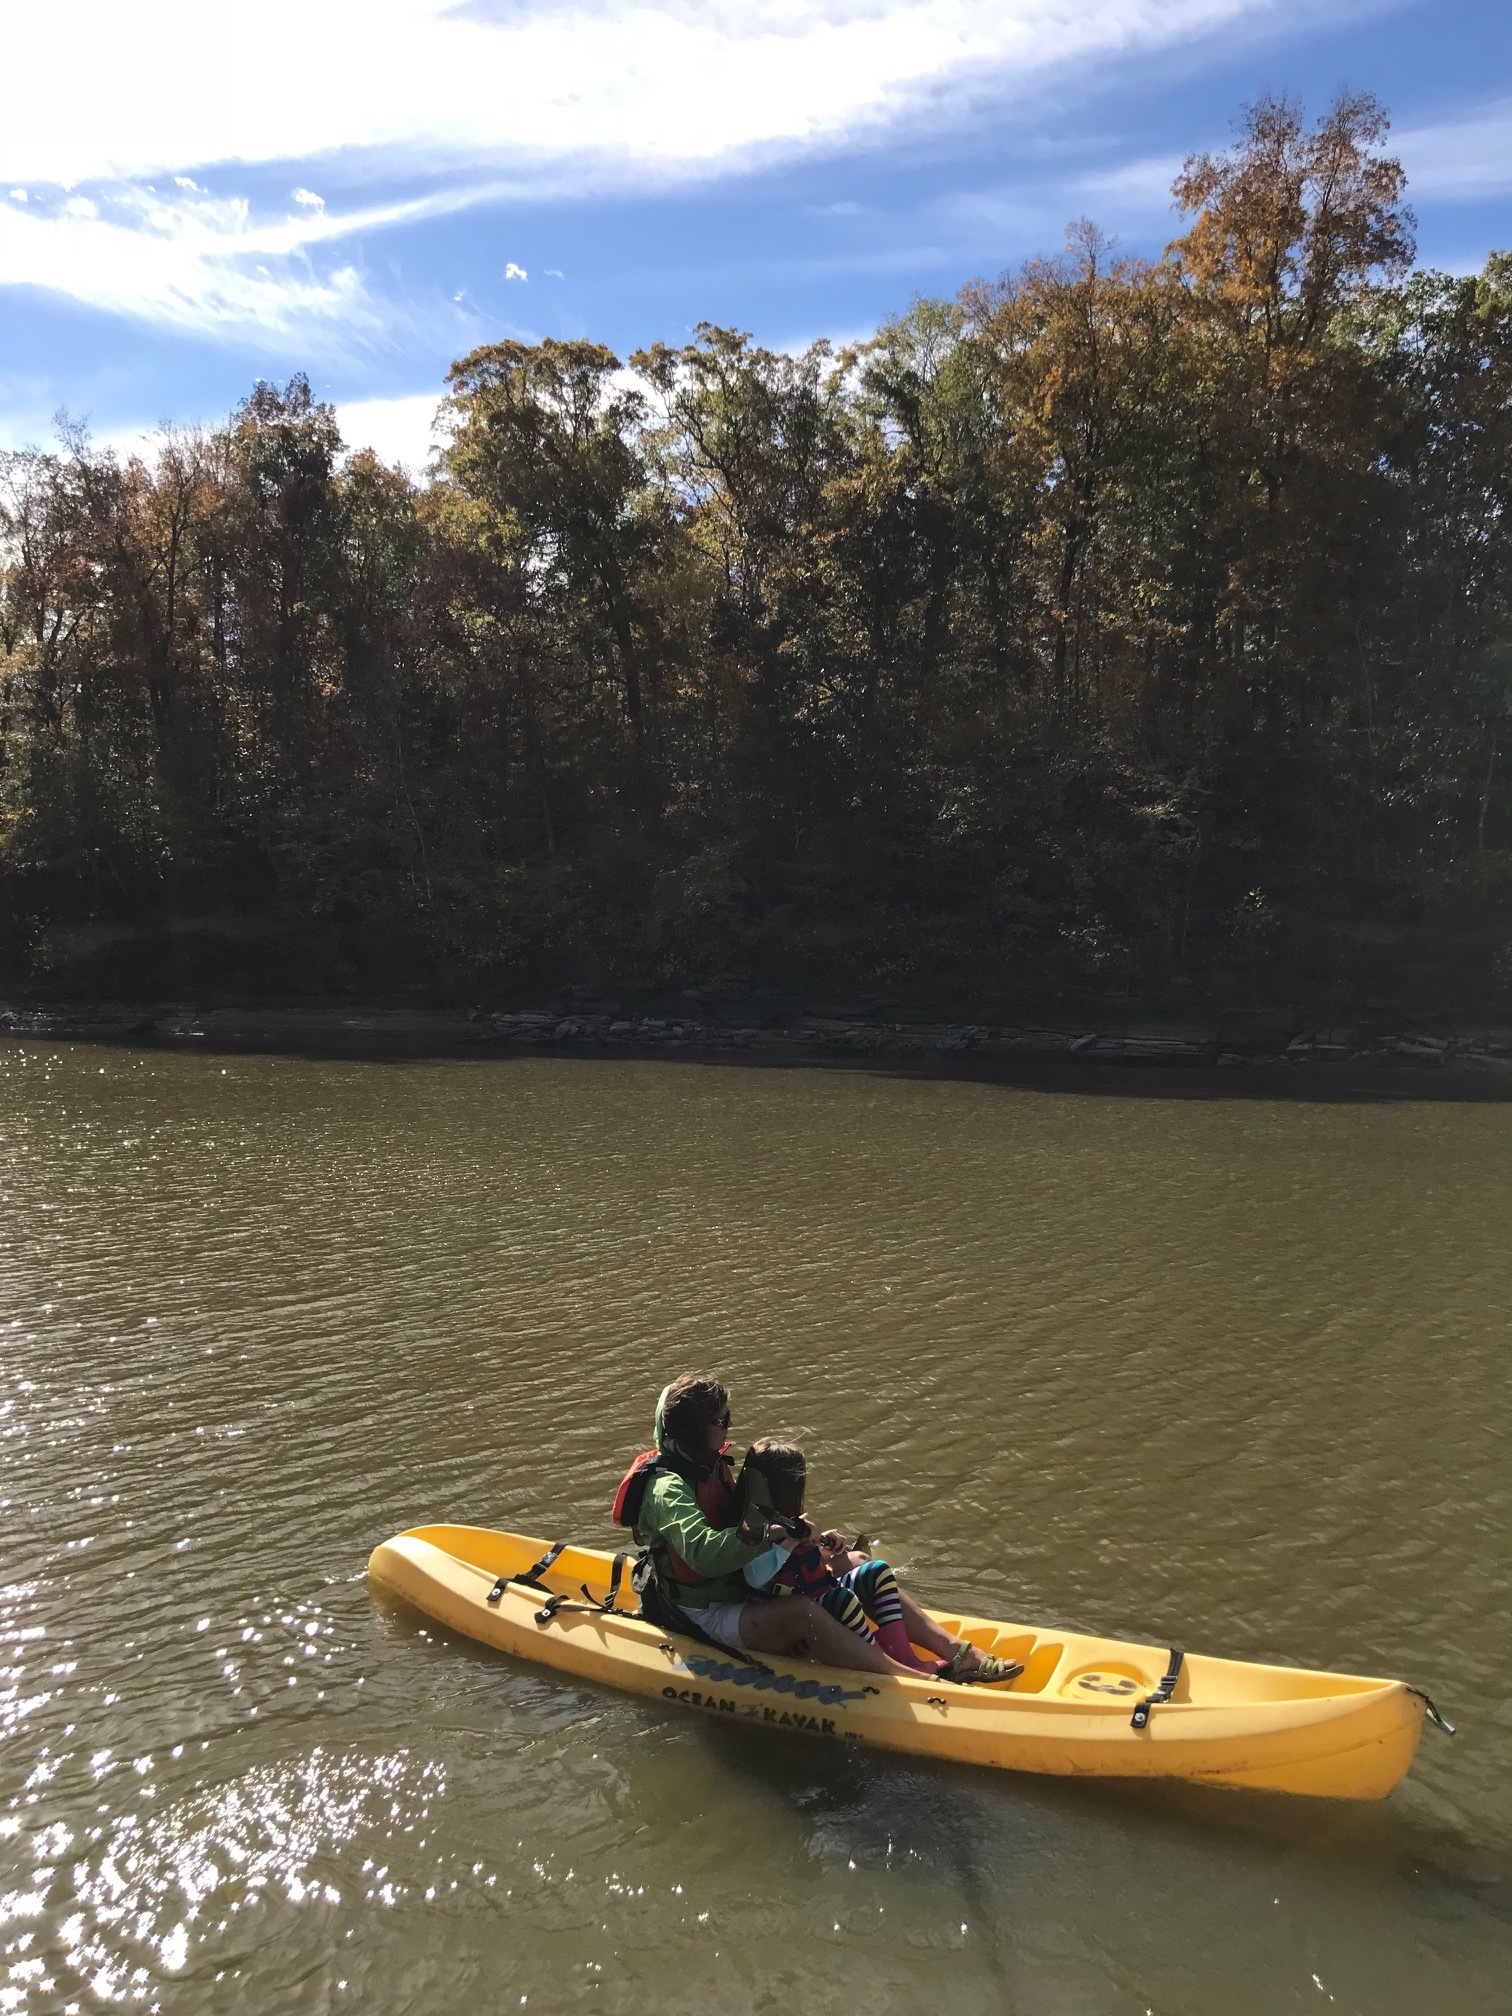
(1137, 188)
(667, 84)
(1008, 219)
(402, 430)
(495, 98)
(18, 195)
(1451, 159)
(1461, 159)
(194, 262)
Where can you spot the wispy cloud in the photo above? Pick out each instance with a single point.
(1139, 188)
(209, 265)
(659, 83)
(1464, 158)
(477, 101)
(1008, 220)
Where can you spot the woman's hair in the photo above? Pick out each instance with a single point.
(691, 1404)
(785, 1469)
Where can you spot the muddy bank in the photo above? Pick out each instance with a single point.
(1234, 1043)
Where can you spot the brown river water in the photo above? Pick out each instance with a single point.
(1115, 1353)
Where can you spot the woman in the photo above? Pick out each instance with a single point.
(689, 1519)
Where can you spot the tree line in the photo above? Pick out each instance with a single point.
(1124, 628)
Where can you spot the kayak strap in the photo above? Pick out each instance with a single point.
(604, 1605)
(1162, 1693)
(1439, 1721)
(531, 1579)
(616, 1576)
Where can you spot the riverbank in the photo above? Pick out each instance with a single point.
(1233, 1043)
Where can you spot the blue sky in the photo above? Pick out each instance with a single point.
(198, 193)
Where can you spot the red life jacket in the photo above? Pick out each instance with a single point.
(632, 1488)
(715, 1492)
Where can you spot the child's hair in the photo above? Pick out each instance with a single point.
(785, 1469)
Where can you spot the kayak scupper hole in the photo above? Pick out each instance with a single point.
(1039, 1658)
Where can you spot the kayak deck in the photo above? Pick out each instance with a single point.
(1070, 1712)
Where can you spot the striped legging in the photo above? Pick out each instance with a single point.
(865, 1599)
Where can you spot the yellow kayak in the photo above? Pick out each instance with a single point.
(1082, 1707)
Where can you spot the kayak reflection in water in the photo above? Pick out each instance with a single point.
(723, 1555)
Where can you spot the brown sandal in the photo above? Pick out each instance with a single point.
(989, 1670)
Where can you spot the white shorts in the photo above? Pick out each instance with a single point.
(721, 1621)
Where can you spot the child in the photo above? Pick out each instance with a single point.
(863, 1597)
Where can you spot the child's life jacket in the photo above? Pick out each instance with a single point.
(805, 1573)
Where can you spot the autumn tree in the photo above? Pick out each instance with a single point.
(1292, 228)
(1128, 629)
(546, 437)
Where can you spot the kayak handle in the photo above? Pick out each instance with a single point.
(1439, 1721)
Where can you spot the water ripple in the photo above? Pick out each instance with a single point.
(1228, 1373)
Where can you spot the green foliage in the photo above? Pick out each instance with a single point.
(1125, 629)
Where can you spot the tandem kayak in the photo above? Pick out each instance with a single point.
(1082, 1707)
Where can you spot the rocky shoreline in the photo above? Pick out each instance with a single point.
(1227, 1043)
